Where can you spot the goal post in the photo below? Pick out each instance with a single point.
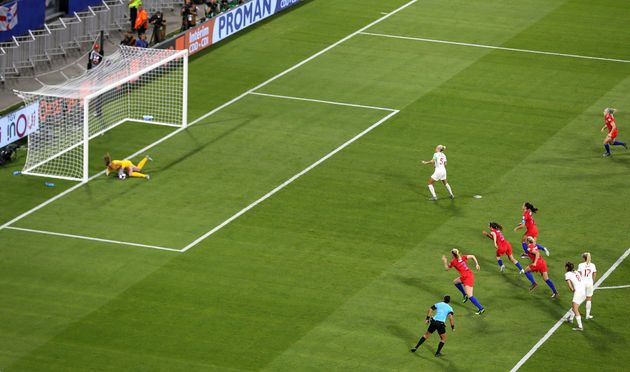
(131, 85)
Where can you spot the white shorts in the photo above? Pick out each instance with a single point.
(578, 298)
(439, 175)
(589, 288)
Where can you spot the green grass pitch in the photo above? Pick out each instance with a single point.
(335, 271)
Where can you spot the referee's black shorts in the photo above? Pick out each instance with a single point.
(438, 326)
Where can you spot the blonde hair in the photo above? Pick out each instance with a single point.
(587, 257)
(441, 148)
(531, 240)
(455, 253)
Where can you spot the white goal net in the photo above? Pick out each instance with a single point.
(132, 84)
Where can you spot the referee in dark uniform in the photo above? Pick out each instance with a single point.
(437, 323)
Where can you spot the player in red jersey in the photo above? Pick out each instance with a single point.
(609, 123)
(538, 265)
(466, 279)
(531, 230)
(502, 245)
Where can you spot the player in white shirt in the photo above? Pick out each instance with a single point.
(576, 285)
(439, 161)
(589, 273)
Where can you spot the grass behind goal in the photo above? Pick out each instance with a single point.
(336, 271)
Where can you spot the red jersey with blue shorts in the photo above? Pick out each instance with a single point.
(503, 246)
(465, 274)
(532, 230)
(609, 120)
(541, 265)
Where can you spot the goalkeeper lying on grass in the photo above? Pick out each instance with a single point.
(125, 167)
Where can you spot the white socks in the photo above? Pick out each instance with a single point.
(579, 321)
(432, 189)
(448, 187)
(588, 309)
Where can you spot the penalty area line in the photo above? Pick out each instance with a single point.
(615, 287)
(561, 320)
(289, 181)
(93, 239)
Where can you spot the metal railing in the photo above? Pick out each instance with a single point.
(70, 33)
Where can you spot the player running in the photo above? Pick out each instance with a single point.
(125, 167)
(531, 230)
(538, 266)
(576, 285)
(502, 245)
(439, 161)
(466, 280)
(436, 323)
(588, 271)
(609, 122)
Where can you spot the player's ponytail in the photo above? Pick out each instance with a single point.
(531, 207)
(587, 257)
(569, 266)
(496, 226)
(455, 253)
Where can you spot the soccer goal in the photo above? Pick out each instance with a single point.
(131, 85)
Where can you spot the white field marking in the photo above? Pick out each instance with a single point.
(326, 102)
(287, 182)
(561, 320)
(615, 287)
(58, 196)
(94, 239)
(496, 47)
(384, 13)
(299, 64)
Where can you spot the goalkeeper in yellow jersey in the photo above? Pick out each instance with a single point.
(125, 167)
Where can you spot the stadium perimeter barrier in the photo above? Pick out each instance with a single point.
(224, 25)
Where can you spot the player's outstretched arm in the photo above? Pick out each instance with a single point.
(470, 256)
(428, 161)
(445, 263)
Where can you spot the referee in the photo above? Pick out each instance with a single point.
(436, 323)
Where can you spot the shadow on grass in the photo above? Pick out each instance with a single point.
(199, 146)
